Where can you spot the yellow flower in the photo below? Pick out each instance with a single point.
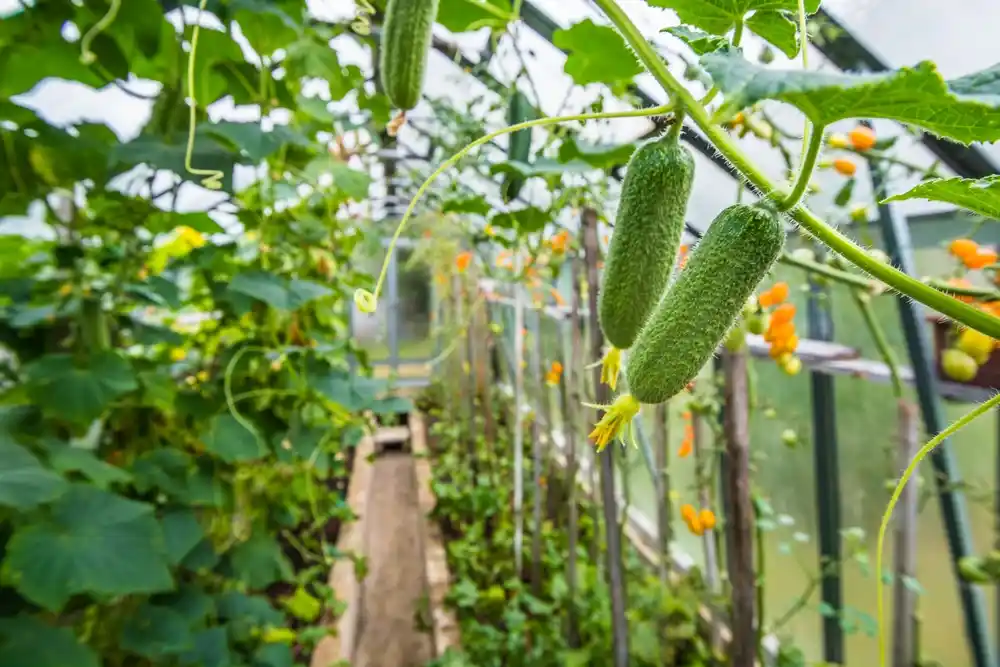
(178, 354)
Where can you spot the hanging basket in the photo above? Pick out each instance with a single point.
(988, 376)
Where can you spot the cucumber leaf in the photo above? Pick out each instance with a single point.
(980, 196)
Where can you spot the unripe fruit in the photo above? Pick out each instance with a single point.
(735, 255)
(976, 344)
(862, 138)
(647, 235)
(406, 41)
(958, 365)
(845, 166)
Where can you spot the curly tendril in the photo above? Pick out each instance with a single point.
(87, 57)
(213, 177)
(366, 299)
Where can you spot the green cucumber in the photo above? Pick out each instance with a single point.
(406, 42)
(684, 331)
(647, 235)
(519, 148)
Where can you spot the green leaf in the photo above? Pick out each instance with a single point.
(92, 542)
(211, 649)
(980, 196)
(274, 655)
(313, 58)
(476, 205)
(267, 27)
(720, 16)
(699, 41)
(68, 459)
(599, 156)
(236, 606)
(30, 641)
(354, 393)
(596, 54)
(277, 291)
(231, 441)
(181, 533)
(844, 194)
(392, 405)
(153, 151)
(302, 605)
(918, 96)
(156, 632)
(526, 220)
(777, 28)
(542, 167)
(252, 140)
(352, 182)
(24, 481)
(465, 15)
(164, 221)
(81, 393)
(259, 562)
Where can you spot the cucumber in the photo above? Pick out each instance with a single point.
(406, 42)
(647, 235)
(682, 334)
(519, 148)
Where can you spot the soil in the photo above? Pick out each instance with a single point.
(393, 621)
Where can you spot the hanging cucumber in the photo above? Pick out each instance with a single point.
(644, 246)
(519, 111)
(406, 42)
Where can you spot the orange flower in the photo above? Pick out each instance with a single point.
(862, 138)
(688, 511)
(695, 526)
(707, 518)
(779, 292)
(554, 374)
(687, 445)
(779, 331)
(963, 248)
(982, 258)
(783, 314)
(845, 166)
(560, 301)
(463, 260)
(559, 241)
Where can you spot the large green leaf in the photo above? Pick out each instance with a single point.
(211, 649)
(352, 182)
(24, 481)
(232, 441)
(353, 392)
(700, 42)
(93, 542)
(259, 562)
(980, 196)
(80, 392)
(30, 641)
(720, 16)
(252, 140)
(266, 26)
(68, 459)
(526, 220)
(208, 154)
(597, 54)
(157, 632)
(464, 15)
(918, 96)
(778, 28)
(181, 533)
(277, 291)
(600, 156)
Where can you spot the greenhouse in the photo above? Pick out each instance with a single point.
(499, 333)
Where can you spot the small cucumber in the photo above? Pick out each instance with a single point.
(736, 253)
(406, 42)
(647, 235)
(519, 148)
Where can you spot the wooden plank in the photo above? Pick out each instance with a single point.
(342, 579)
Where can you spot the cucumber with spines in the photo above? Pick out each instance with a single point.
(684, 331)
(406, 42)
(647, 236)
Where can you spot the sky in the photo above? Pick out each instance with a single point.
(959, 40)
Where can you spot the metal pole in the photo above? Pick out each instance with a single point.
(518, 423)
(827, 473)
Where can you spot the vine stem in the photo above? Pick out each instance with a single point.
(805, 170)
(367, 301)
(962, 422)
(808, 220)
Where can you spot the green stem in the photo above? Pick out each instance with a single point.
(805, 170)
(828, 272)
(836, 241)
(881, 342)
(963, 421)
(367, 301)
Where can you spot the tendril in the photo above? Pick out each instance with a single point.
(213, 177)
(87, 57)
